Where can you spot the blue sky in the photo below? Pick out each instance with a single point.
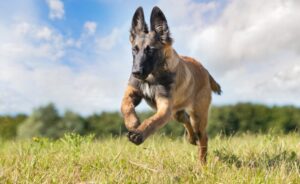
(76, 53)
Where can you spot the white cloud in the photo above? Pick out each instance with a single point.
(83, 91)
(109, 41)
(251, 48)
(56, 9)
(178, 11)
(23, 28)
(40, 65)
(44, 33)
(16, 10)
(249, 42)
(90, 27)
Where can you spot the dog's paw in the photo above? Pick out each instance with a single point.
(135, 137)
(192, 139)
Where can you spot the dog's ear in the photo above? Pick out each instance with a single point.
(160, 26)
(138, 24)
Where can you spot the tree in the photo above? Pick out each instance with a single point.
(42, 122)
(106, 124)
(71, 122)
(9, 125)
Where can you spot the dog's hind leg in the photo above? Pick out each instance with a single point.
(183, 117)
(199, 118)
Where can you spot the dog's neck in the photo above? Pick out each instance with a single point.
(172, 60)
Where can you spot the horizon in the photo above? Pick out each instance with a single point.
(77, 54)
(61, 112)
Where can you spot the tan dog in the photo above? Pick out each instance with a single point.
(175, 86)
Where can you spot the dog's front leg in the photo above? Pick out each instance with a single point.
(150, 125)
(130, 100)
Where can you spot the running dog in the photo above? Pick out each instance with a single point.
(175, 86)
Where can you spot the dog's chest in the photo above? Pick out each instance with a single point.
(148, 90)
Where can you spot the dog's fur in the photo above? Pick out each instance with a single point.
(175, 86)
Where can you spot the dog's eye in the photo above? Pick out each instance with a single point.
(135, 49)
(149, 50)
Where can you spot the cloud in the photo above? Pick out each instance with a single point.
(179, 11)
(245, 46)
(251, 48)
(83, 91)
(90, 27)
(109, 41)
(44, 33)
(40, 65)
(56, 9)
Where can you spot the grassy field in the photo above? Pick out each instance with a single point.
(75, 159)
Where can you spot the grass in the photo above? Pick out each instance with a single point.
(75, 159)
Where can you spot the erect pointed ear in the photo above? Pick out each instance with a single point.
(160, 26)
(138, 23)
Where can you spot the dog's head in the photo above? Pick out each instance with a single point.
(149, 46)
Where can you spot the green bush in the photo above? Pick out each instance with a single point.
(46, 122)
(9, 125)
(230, 119)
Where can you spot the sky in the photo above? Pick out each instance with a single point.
(76, 54)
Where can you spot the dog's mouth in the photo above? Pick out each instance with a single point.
(141, 77)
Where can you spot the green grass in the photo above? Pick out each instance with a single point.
(75, 159)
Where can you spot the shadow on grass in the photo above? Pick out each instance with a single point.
(264, 159)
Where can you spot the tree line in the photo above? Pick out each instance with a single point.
(46, 121)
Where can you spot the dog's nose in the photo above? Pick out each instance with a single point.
(137, 73)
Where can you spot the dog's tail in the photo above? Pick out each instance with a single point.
(216, 88)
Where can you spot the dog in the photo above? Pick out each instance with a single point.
(175, 86)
